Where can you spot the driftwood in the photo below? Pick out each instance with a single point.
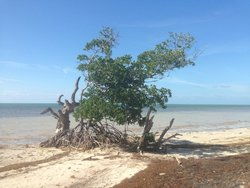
(62, 116)
(86, 134)
(155, 145)
(148, 125)
(159, 142)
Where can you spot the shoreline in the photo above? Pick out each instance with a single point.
(32, 130)
(32, 166)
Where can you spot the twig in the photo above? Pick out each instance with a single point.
(175, 135)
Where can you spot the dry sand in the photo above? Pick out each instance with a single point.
(40, 167)
(62, 168)
(210, 144)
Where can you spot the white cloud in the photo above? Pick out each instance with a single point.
(66, 70)
(25, 95)
(32, 66)
(229, 47)
(3, 80)
(185, 82)
(234, 87)
(222, 86)
(14, 64)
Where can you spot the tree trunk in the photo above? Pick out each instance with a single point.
(62, 116)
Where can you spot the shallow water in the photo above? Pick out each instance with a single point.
(23, 124)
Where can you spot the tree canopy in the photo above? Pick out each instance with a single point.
(119, 88)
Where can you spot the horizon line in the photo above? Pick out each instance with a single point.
(167, 103)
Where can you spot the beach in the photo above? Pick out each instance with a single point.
(32, 166)
(124, 94)
(24, 164)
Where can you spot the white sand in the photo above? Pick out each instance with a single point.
(218, 137)
(106, 167)
(103, 169)
(211, 144)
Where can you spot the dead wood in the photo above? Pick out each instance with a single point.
(148, 125)
(159, 142)
(62, 116)
(147, 140)
(88, 135)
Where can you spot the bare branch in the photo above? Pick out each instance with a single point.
(62, 116)
(67, 102)
(147, 121)
(149, 125)
(55, 115)
(76, 89)
(175, 135)
(83, 91)
(164, 132)
(59, 100)
(60, 113)
(147, 128)
(148, 114)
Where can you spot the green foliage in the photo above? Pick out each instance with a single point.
(149, 137)
(119, 87)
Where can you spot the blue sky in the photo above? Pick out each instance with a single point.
(40, 40)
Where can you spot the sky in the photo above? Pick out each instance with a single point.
(40, 40)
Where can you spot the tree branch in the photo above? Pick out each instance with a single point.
(76, 89)
(54, 114)
(83, 91)
(147, 128)
(149, 125)
(164, 132)
(59, 100)
(176, 134)
(148, 114)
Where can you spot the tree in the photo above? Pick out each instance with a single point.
(119, 88)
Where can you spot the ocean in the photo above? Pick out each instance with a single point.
(23, 123)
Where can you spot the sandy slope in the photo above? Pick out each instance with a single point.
(39, 167)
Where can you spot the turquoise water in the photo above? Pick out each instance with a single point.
(23, 123)
(8, 110)
(34, 110)
(203, 107)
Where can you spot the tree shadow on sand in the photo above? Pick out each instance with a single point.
(187, 148)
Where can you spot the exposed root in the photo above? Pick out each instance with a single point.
(87, 136)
